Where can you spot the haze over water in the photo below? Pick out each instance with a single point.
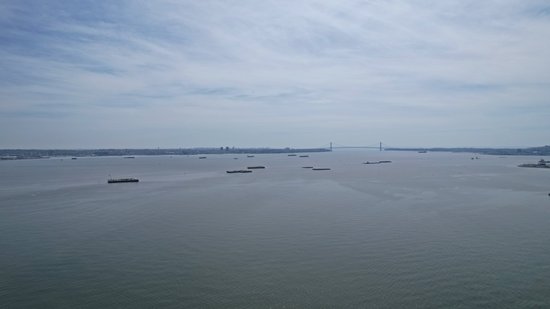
(433, 230)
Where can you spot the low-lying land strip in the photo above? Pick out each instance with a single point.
(13, 154)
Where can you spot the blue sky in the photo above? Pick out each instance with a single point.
(86, 74)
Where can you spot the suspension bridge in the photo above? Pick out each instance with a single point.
(380, 146)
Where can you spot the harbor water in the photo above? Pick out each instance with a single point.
(433, 230)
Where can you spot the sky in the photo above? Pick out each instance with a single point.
(263, 73)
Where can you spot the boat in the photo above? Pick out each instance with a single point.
(256, 167)
(202, 157)
(121, 180)
(370, 162)
(321, 169)
(384, 161)
(307, 166)
(73, 158)
(8, 158)
(292, 155)
(129, 157)
(238, 171)
(304, 156)
(423, 151)
(250, 156)
(540, 164)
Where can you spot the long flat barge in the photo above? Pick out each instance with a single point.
(122, 180)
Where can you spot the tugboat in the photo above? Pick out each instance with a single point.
(121, 180)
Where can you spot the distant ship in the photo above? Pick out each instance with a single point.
(540, 164)
(8, 158)
(238, 171)
(256, 167)
(121, 180)
(377, 162)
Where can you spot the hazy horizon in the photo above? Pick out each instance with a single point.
(336, 147)
(177, 74)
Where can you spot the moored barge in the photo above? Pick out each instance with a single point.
(122, 180)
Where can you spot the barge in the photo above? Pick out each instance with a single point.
(121, 180)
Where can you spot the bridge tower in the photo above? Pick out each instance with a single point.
(330, 146)
(380, 146)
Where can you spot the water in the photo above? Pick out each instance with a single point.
(432, 230)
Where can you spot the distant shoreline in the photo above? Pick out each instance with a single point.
(18, 154)
(530, 151)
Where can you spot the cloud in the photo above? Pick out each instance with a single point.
(315, 70)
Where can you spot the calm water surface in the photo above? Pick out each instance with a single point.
(431, 230)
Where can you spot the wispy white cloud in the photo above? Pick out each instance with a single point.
(274, 72)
